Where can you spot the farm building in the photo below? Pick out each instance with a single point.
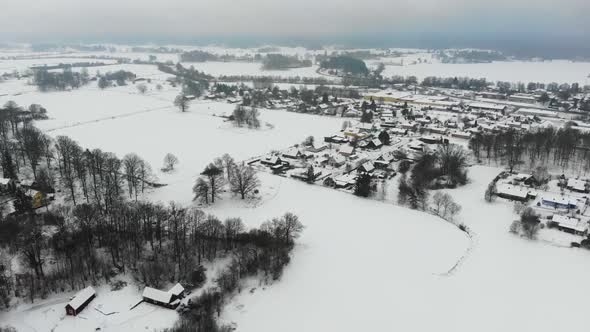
(161, 298)
(522, 98)
(571, 225)
(80, 301)
(537, 112)
(478, 106)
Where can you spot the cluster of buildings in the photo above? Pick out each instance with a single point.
(564, 202)
(168, 299)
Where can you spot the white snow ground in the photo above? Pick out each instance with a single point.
(368, 266)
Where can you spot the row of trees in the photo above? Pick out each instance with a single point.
(54, 80)
(281, 62)
(242, 180)
(564, 148)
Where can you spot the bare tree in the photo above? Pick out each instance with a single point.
(181, 102)
(32, 140)
(131, 165)
(244, 180)
(214, 176)
(142, 88)
(170, 161)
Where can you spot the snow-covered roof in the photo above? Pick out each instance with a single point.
(513, 191)
(82, 297)
(487, 106)
(570, 223)
(533, 111)
(157, 295)
(576, 184)
(292, 152)
(368, 166)
(4, 181)
(563, 200)
(177, 289)
(347, 149)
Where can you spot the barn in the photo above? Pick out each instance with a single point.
(170, 299)
(80, 301)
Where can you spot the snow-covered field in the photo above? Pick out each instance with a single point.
(560, 71)
(375, 267)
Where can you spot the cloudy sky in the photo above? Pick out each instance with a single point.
(59, 20)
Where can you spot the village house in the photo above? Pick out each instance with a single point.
(292, 153)
(570, 225)
(462, 134)
(398, 131)
(346, 150)
(561, 202)
(271, 161)
(366, 167)
(335, 139)
(373, 144)
(515, 193)
(577, 185)
(345, 181)
(416, 146)
(80, 301)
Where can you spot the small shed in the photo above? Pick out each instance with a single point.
(80, 301)
(7, 184)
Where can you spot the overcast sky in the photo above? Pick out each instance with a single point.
(56, 20)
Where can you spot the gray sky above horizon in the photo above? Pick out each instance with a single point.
(71, 19)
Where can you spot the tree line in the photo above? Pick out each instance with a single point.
(73, 246)
(566, 148)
